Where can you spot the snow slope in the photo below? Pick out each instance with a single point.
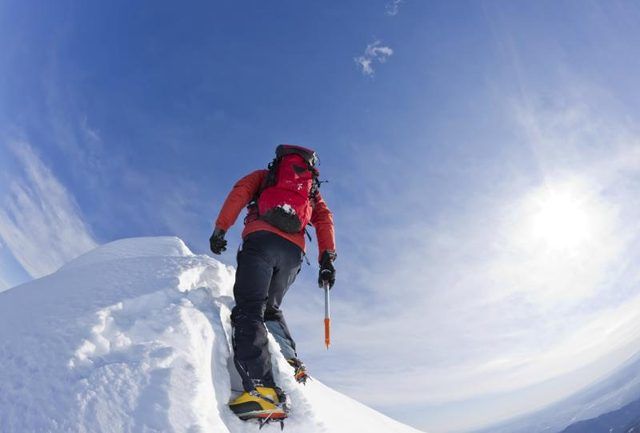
(133, 337)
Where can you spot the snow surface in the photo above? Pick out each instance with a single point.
(134, 337)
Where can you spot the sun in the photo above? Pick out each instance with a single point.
(560, 220)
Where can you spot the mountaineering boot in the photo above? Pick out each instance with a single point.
(263, 403)
(299, 370)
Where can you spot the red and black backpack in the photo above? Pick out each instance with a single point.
(285, 199)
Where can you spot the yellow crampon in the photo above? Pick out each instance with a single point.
(263, 404)
(300, 371)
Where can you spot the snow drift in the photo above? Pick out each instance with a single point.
(134, 337)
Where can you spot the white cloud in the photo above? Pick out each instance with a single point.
(40, 223)
(393, 7)
(375, 52)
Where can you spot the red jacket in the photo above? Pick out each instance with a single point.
(245, 190)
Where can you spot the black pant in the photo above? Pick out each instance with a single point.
(267, 265)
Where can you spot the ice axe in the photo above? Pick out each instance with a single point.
(327, 315)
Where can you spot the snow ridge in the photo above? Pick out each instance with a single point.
(134, 337)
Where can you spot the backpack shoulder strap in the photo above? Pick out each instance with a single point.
(269, 179)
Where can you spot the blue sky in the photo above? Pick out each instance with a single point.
(483, 163)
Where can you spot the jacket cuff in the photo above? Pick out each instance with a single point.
(332, 255)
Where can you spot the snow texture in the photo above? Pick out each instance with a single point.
(134, 337)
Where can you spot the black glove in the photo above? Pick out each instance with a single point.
(327, 273)
(217, 243)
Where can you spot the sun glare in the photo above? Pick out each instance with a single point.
(560, 221)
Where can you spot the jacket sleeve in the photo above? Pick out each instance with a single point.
(241, 194)
(322, 221)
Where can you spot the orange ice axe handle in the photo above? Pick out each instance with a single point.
(327, 316)
(327, 332)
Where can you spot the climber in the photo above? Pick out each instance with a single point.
(281, 201)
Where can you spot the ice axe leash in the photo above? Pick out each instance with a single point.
(327, 315)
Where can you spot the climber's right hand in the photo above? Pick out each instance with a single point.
(327, 274)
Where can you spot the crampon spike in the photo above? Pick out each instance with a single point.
(263, 422)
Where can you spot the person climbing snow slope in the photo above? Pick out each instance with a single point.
(280, 201)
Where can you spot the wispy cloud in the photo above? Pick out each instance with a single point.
(374, 53)
(40, 223)
(393, 7)
(476, 302)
